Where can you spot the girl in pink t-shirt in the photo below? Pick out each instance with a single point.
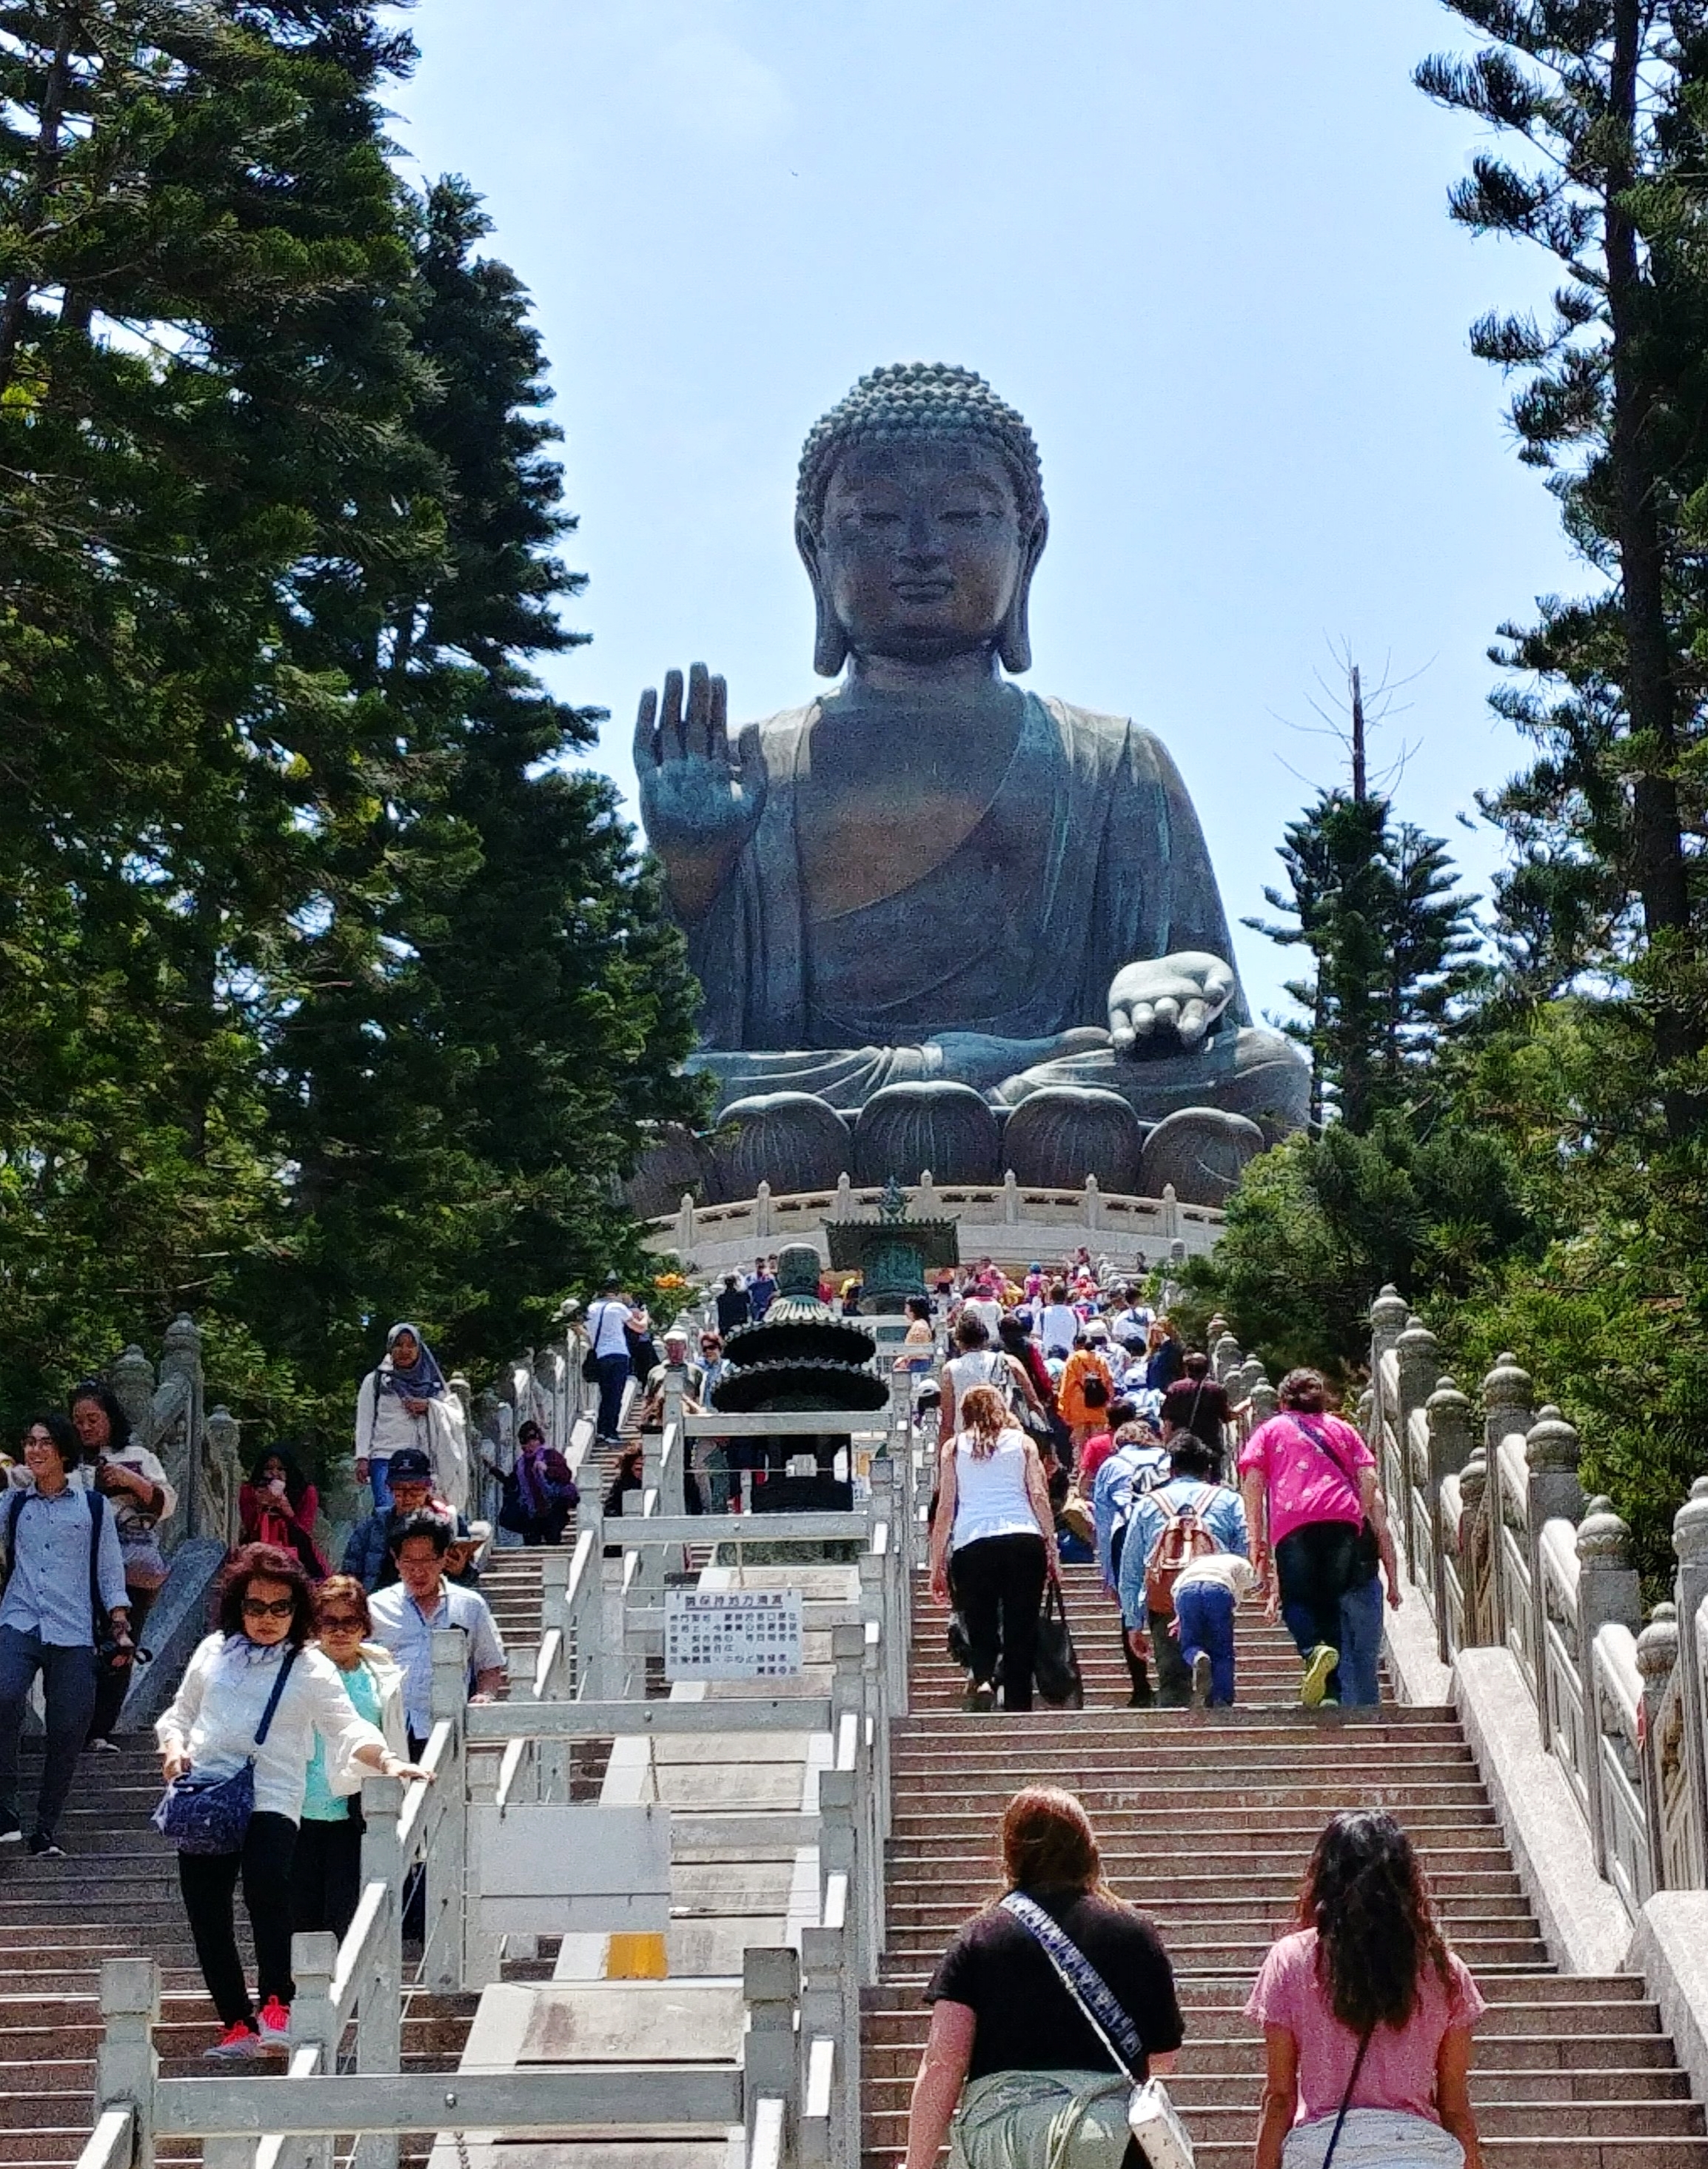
(1366, 2017)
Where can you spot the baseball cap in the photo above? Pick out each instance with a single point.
(410, 1462)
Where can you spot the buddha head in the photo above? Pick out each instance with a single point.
(920, 516)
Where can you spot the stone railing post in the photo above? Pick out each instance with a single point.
(1608, 1595)
(1552, 1451)
(126, 2062)
(1448, 1415)
(1689, 1589)
(1227, 1356)
(771, 1988)
(1389, 1314)
(222, 1476)
(1419, 1375)
(1506, 1409)
(1474, 1550)
(1657, 1654)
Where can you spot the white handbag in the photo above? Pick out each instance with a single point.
(1151, 2116)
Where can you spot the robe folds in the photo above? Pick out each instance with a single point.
(1088, 856)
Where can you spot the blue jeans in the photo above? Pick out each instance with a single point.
(380, 1479)
(68, 1689)
(613, 1376)
(1206, 1617)
(1361, 1644)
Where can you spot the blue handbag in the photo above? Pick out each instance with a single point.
(211, 1815)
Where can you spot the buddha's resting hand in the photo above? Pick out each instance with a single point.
(1167, 1004)
(698, 807)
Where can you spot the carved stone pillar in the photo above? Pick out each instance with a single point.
(1552, 1452)
(1689, 1589)
(1608, 1595)
(1475, 1550)
(1506, 1408)
(1657, 1655)
(1448, 1414)
(1419, 1375)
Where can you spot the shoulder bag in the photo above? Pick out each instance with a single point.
(211, 1815)
(1055, 1663)
(1368, 1552)
(1151, 2116)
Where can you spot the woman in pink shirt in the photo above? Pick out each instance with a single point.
(1367, 2016)
(1311, 1480)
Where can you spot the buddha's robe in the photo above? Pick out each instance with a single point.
(994, 968)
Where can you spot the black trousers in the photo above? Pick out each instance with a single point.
(999, 1585)
(208, 1882)
(1173, 1678)
(112, 1687)
(1137, 1670)
(326, 1875)
(1315, 1566)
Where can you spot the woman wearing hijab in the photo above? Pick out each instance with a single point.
(405, 1402)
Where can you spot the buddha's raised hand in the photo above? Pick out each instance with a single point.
(698, 806)
(1168, 1003)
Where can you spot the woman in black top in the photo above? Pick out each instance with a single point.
(1009, 2043)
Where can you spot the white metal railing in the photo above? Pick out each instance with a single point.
(1500, 1544)
(796, 2087)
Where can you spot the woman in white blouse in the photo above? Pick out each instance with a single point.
(266, 1617)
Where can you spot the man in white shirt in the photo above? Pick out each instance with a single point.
(419, 1602)
(1059, 1325)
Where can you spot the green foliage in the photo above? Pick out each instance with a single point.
(327, 991)
(1390, 938)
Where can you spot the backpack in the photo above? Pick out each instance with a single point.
(1184, 1537)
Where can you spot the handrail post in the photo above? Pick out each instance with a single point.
(771, 1988)
(1448, 1415)
(445, 1959)
(1656, 1657)
(551, 1756)
(126, 2064)
(379, 2045)
(1690, 1592)
(1608, 1595)
(1552, 1453)
(840, 1852)
(314, 2023)
(1506, 1403)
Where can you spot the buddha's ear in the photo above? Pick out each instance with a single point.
(830, 642)
(1014, 638)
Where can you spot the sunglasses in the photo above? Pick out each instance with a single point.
(281, 1608)
(341, 1623)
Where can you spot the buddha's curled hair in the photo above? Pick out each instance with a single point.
(1365, 1896)
(918, 399)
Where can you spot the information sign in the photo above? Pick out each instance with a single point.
(732, 1634)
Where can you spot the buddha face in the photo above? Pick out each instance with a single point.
(920, 553)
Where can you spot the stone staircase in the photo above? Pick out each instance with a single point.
(1206, 1823)
(115, 1895)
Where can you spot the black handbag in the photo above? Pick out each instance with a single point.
(1055, 1664)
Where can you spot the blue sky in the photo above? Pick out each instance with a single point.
(1204, 250)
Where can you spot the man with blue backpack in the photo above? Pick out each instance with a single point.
(1188, 1520)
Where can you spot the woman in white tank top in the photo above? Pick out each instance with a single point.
(994, 1536)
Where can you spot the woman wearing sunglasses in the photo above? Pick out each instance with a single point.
(326, 1872)
(265, 1619)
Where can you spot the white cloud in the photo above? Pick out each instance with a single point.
(713, 92)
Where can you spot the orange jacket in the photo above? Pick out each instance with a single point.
(1070, 1394)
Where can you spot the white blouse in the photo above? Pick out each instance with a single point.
(222, 1699)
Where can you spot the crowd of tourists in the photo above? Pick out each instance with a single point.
(309, 1681)
(1055, 2020)
(1073, 1424)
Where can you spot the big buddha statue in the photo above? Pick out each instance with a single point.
(941, 920)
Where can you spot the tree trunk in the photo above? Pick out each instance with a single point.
(14, 310)
(1658, 870)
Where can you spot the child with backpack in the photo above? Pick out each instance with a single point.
(1187, 1521)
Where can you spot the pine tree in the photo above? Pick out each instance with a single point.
(1604, 100)
(495, 1004)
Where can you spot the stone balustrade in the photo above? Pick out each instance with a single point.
(1009, 1220)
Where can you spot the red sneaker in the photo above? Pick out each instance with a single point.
(237, 2042)
(275, 2023)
